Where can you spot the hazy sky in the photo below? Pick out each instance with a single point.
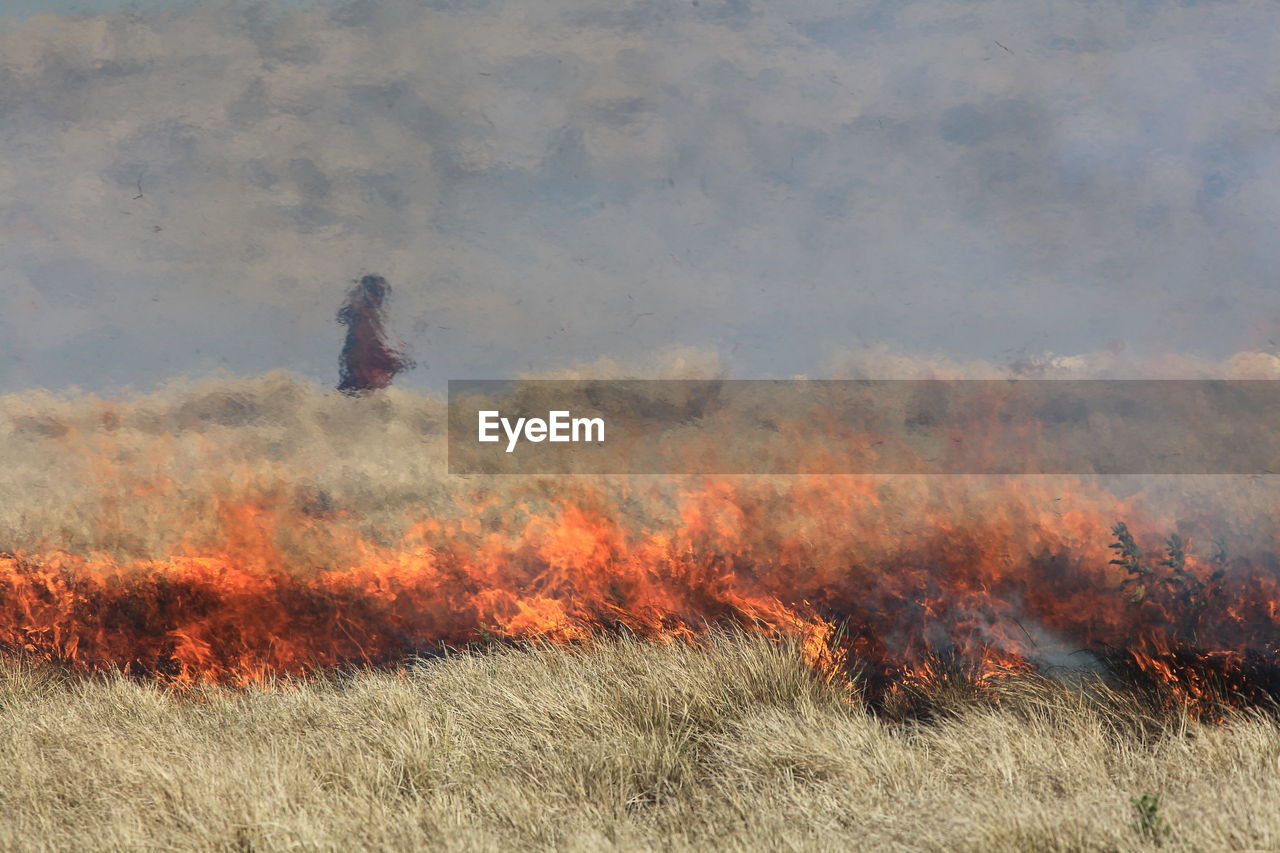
(192, 187)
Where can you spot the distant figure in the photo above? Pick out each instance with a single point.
(368, 362)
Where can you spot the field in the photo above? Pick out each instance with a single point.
(249, 614)
(624, 745)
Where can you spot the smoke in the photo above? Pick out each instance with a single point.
(368, 361)
(672, 175)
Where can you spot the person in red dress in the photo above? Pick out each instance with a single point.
(368, 362)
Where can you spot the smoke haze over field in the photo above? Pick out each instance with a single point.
(191, 187)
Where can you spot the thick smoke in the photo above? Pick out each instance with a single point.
(368, 361)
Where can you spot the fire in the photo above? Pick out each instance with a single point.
(888, 577)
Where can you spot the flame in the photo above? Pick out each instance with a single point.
(889, 576)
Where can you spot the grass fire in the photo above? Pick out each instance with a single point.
(256, 561)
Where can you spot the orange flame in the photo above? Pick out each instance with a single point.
(889, 575)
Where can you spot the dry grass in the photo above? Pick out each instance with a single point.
(141, 475)
(622, 745)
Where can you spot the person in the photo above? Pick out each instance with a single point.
(368, 362)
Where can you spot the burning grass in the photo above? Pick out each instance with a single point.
(190, 579)
(244, 529)
(732, 743)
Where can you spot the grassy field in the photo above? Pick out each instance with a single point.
(622, 744)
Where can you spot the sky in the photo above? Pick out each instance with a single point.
(191, 188)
